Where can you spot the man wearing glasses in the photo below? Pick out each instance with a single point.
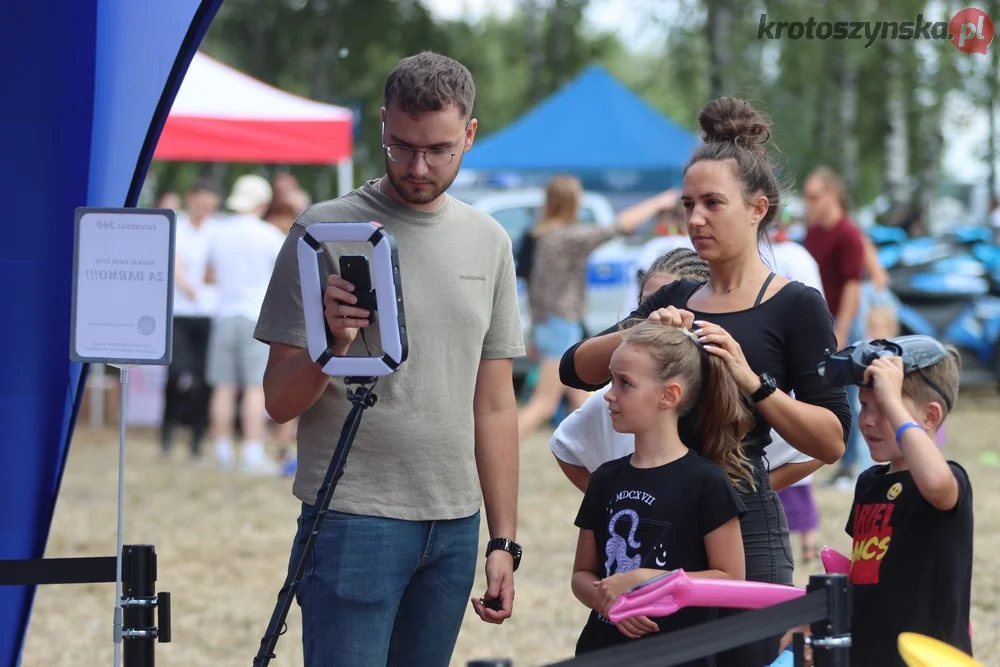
(395, 561)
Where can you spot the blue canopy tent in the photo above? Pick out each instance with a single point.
(592, 126)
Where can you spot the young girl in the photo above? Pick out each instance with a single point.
(662, 507)
(586, 439)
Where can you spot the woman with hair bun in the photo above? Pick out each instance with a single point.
(771, 332)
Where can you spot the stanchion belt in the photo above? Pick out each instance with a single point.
(89, 570)
(708, 639)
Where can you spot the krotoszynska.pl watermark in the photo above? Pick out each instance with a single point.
(970, 30)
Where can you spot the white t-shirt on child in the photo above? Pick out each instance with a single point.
(586, 438)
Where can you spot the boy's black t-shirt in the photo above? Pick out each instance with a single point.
(911, 566)
(786, 336)
(654, 518)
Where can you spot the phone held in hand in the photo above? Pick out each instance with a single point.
(356, 270)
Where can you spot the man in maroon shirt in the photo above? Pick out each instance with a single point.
(837, 245)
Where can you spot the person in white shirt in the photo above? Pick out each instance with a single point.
(241, 253)
(187, 393)
(585, 439)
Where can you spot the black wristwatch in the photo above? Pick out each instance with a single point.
(510, 546)
(767, 387)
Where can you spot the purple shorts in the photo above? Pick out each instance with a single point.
(800, 508)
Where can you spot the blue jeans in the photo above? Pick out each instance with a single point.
(378, 592)
(554, 335)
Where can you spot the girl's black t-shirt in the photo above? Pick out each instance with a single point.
(654, 518)
(786, 336)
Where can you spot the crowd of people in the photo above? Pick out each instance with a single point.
(225, 252)
(699, 417)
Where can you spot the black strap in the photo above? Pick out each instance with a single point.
(708, 639)
(763, 290)
(88, 570)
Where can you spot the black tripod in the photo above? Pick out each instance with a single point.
(361, 398)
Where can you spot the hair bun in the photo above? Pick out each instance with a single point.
(736, 121)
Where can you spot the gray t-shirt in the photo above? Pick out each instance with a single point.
(414, 454)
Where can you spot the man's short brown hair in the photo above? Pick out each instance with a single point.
(944, 375)
(430, 82)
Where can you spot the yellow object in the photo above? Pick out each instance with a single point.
(922, 651)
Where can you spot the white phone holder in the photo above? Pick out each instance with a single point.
(313, 272)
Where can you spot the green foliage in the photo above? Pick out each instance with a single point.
(339, 51)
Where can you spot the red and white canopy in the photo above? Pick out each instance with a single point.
(223, 115)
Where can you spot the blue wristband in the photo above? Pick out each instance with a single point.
(786, 659)
(903, 428)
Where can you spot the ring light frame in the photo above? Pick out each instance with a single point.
(313, 272)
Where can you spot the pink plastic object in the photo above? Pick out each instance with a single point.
(672, 591)
(835, 562)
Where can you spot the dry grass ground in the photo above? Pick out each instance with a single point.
(223, 543)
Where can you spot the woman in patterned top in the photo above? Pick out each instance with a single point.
(557, 287)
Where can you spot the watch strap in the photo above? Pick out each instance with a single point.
(505, 544)
(767, 387)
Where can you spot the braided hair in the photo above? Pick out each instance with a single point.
(680, 262)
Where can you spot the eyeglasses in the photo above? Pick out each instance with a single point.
(434, 157)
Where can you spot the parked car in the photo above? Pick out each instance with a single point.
(519, 210)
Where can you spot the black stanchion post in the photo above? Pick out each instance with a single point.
(799, 649)
(139, 601)
(831, 637)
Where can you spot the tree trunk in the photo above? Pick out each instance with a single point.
(557, 44)
(931, 132)
(847, 88)
(718, 32)
(896, 143)
(532, 20)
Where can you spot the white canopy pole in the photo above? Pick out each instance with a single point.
(345, 176)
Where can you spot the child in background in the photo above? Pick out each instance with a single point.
(662, 507)
(800, 508)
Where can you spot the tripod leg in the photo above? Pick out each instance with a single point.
(287, 593)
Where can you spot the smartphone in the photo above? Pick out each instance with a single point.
(496, 604)
(355, 270)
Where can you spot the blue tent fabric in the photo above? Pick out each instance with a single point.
(594, 123)
(79, 118)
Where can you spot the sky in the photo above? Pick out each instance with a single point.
(965, 129)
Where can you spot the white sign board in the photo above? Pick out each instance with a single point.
(123, 277)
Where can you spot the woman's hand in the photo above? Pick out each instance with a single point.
(674, 317)
(717, 341)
